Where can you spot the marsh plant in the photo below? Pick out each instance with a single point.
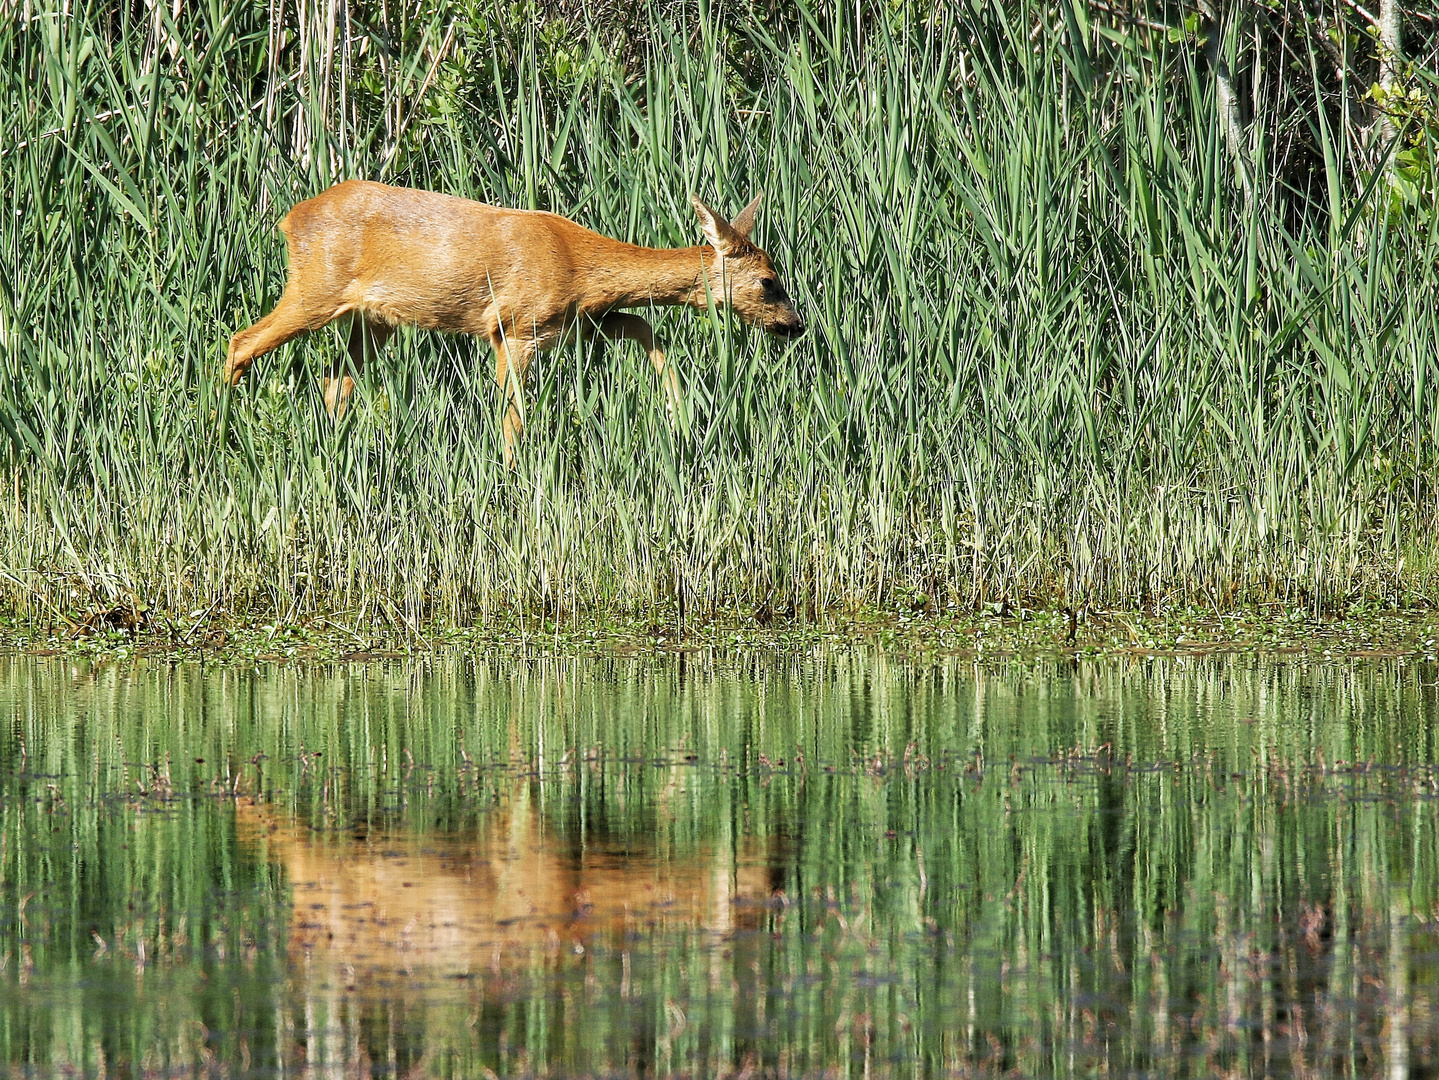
(1076, 335)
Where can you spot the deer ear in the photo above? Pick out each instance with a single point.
(743, 222)
(719, 232)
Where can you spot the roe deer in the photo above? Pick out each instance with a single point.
(525, 280)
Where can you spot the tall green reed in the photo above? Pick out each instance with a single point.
(1054, 356)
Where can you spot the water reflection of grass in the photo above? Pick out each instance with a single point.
(1207, 865)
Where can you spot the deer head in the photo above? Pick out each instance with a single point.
(751, 284)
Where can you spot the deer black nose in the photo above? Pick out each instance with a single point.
(790, 330)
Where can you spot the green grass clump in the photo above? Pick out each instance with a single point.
(1055, 356)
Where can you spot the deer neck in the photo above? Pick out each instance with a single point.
(631, 276)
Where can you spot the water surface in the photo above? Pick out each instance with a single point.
(830, 865)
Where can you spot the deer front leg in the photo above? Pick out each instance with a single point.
(512, 358)
(619, 325)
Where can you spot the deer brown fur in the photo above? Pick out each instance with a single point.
(523, 280)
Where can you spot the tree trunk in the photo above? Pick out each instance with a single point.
(1225, 96)
(1391, 43)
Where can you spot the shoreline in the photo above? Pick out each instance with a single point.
(999, 634)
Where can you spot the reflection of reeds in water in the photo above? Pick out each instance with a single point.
(1227, 887)
(372, 908)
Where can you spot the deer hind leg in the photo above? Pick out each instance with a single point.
(512, 359)
(341, 385)
(619, 325)
(290, 318)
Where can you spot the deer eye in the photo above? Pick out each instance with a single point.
(769, 284)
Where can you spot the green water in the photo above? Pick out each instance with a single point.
(828, 866)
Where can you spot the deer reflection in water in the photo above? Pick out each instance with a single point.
(373, 908)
